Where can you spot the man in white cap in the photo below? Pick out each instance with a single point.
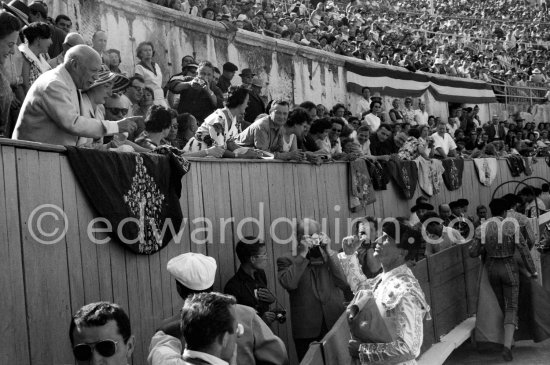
(195, 273)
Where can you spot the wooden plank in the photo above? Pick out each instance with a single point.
(275, 177)
(438, 353)
(198, 211)
(224, 239)
(247, 172)
(210, 203)
(74, 259)
(88, 249)
(472, 266)
(47, 285)
(14, 349)
(134, 308)
(420, 271)
(447, 289)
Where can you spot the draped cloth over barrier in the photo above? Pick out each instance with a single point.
(142, 187)
(401, 83)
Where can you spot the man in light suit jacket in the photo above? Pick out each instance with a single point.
(51, 110)
(314, 280)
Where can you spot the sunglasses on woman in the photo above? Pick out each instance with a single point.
(84, 351)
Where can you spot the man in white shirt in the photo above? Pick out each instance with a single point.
(210, 329)
(363, 106)
(444, 144)
(421, 115)
(437, 236)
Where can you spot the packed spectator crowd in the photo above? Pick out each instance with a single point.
(496, 41)
(201, 113)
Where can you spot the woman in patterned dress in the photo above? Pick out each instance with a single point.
(38, 40)
(222, 127)
(396, 291)
(160, 122)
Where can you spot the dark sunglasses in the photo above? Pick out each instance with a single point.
(118, 111)
(336, 130)
(84, 351)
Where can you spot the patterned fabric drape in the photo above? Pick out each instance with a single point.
(452, 176)
(137, 193)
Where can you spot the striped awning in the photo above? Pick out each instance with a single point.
(399, 82)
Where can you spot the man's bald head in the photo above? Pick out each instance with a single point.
(83, 63)
(444, 211)
(73, 39)
(307, 226)
(82, 53)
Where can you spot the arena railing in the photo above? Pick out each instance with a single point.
(514, 95)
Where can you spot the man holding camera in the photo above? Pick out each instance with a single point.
(199, 96)
(314, 280)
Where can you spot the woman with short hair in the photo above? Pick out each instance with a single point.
(150, 71)
(38, 38)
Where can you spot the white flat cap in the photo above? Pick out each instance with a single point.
(193, 270)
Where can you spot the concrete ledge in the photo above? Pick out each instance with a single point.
(439, 352)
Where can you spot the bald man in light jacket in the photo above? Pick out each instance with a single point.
(51, 110)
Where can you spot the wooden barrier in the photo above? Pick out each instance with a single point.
(43, 285)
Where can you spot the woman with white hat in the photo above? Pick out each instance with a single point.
(93, 99)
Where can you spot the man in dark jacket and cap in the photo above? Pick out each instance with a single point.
(256, 105)
(228, 72)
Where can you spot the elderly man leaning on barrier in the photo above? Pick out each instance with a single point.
(314, 280)
(195, 273)
(51, 110)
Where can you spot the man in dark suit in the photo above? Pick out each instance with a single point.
(314, 280)
(256, 105)
(491, 128)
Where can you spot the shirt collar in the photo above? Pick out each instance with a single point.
(204, 356)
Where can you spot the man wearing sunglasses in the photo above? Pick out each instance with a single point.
(133, 94)
(118, 107)
(100, 333)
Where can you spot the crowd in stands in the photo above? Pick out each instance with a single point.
(496, 41)
(203, 113)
